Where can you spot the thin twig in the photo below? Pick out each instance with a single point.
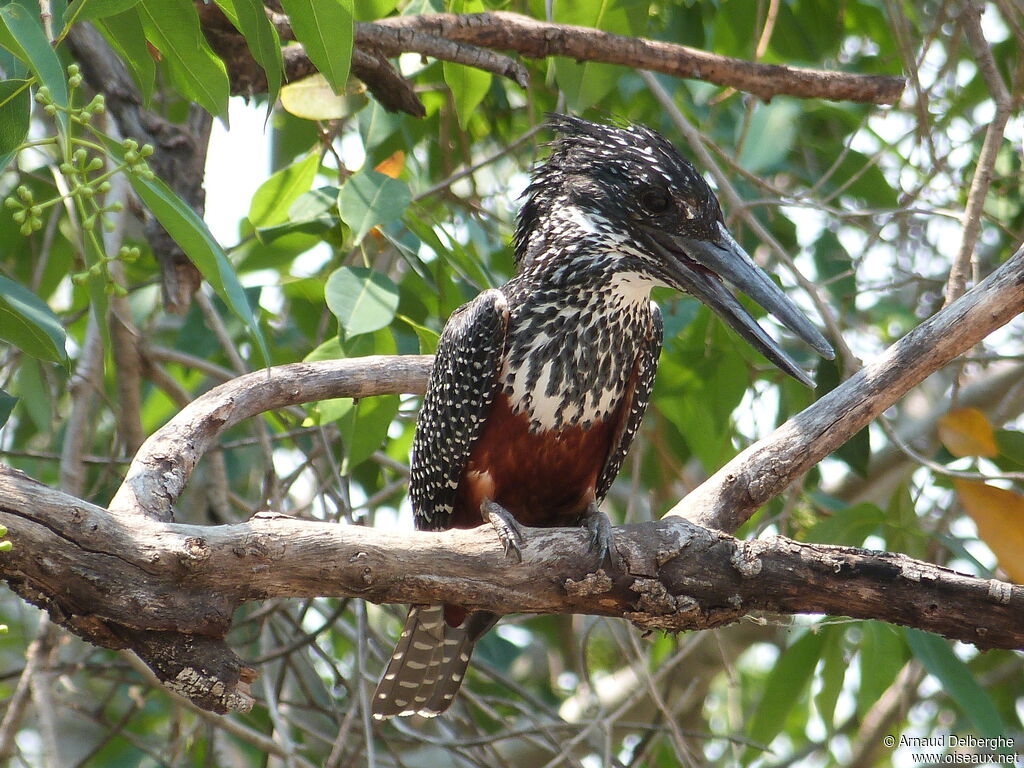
(982, 180)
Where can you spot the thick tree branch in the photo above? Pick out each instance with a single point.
(161, 469)
(168, 590)
(473, 39)
(126, 577)
(761, 472)
(537, 39)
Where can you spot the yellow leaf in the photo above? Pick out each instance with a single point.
(312, 98)
(999, 515)
(967, 432)
(392, 166)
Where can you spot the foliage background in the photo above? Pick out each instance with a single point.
(370, 229)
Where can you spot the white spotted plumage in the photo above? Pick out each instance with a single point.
(571, 340)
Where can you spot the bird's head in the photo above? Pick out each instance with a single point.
(627, 191)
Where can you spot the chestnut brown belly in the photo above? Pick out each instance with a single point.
(544, 478)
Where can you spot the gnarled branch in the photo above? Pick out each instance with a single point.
(126, 577)
(168, 591)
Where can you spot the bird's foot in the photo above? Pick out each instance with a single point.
(600, 528)
(509, 531)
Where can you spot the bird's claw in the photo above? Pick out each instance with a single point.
(600, 528)
(510, 532)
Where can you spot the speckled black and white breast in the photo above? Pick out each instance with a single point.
(572, 347)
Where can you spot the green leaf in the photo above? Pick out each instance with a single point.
(427, 338)
(957, 681)
(882, 655)
(370, 198)
(770, 136)
(859, 176)
(22, 34)
(731, 32)
(7, 403)
(90, 10)
(787, 682)
(362, 299)
(806, 30)
(371, 10)
(27, 323)
(365, 428)
(467, 84)
(314, 213)
(1011, 449)
(901, 528)
(198, 73)
(193, 236)
(320, 205)
(15, 109)
(250, 18)
(377, 125)
(586, 83)
(848, 527)
(702, 378)
(35, 396)
(450, 252)
(325, 29)
(835, 267)
(308, 218)
(855, 452)
(276, 195)
(833, 673)
(126, 35)
(12, 66)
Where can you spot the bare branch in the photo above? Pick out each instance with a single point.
(472, 40)
(163, 465)
(730, 496)
(124, 579)
(393, 91)
(982, 178)
(168, 591)
(391, 41)
(537, 39)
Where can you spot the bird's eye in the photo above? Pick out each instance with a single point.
(655, 201)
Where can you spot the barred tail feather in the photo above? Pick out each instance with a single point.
(458, 648)
(426, 668)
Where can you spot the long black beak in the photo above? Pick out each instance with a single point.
(700, 266)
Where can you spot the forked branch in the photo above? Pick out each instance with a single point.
(475, 39)
(128, 578)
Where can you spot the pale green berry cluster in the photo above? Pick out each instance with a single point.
(87, 164)
(127, 254)
(86, 167)
(26, 212)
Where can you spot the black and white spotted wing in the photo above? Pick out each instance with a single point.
(637, 401)
(462, 387)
